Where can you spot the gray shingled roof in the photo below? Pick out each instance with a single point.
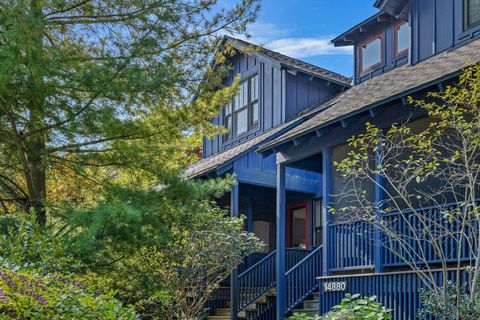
(384, 88)
(296, 64)
(211, 163)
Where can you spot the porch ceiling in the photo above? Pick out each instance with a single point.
(383, 89)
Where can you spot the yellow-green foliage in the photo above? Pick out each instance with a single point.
(26, 295)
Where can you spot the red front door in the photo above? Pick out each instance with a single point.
(298, 226)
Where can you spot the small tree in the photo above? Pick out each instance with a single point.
(416, 168)
(194, 263)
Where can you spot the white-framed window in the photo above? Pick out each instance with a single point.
(402, 37)
(471, 13)
(371, 53)
(242, 114)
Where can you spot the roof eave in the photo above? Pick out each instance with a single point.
(346, 85)
(275, 145)
(348, 37)
(396, 8)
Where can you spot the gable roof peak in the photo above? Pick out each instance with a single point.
(293, 63)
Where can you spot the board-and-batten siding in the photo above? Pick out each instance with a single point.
(438, 26)
(390, 61)
(283, 95)
(303, 91)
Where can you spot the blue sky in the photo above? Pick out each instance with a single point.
(303, 29)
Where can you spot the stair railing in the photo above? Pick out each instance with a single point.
(301, 280)
(256, 280)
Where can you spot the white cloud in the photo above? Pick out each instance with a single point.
(283, 40)
(307, 47)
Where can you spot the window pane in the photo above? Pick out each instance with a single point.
(228, 109)
(371, 53)
(254, 88)
(299, 222)
(342, 188)
(238, 98)
(255, 113)
(242, 122)
(245, 93)
(472, 12)
(403, 38)
(318, 222)
(228, 126)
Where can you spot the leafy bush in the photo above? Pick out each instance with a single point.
(24, 243)
(353, 307)
(26, 295)
(451, 303)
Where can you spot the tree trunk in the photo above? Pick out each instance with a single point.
(36, 145)
(38, 179)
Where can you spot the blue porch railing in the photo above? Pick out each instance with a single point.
(352, 245)
(218, 300)
(399, 291)
(301, 280)
(259, 278)
(256, 280)
(451, 231)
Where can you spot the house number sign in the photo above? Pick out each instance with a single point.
(340, 286)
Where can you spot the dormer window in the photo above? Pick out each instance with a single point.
(402, 38)
(242, 114)
(472, 13)
(371, 53)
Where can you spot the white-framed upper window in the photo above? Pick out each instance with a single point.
(472, 13)
(371, 53)
(242, 114)
(402, 37)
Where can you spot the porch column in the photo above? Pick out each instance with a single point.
(379, 197)
(327, 187)
(280, 235)
(249, 225)
(234, 292)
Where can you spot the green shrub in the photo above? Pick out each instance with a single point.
(448, 305)
(26, 295)
(353, 307)
(24, 243)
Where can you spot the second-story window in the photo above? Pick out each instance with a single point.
(242, 114)
(371, 53)
(402, 38)
(472, 13)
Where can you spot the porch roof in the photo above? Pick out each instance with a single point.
(385, 88)
(207, 165)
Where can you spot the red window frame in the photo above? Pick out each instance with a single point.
(362, 44)
(397, 26)
(288, 224)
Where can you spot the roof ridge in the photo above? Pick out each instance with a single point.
(343, 78)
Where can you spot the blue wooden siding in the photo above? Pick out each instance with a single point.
(283, 95)
(437, 26)
(303, 91)
(390, 61)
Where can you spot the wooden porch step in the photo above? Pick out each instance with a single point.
(311, 304)
(308, 312)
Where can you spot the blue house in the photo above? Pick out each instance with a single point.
(290, 121)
